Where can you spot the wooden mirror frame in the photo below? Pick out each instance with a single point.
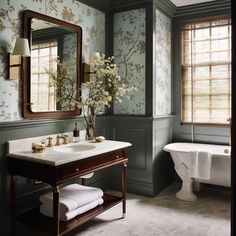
(28, 15)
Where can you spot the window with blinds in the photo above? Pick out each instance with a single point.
(206, 71)
(43, 55)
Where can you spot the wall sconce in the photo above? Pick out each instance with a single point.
(86, 67)
(86, 72)
(21, 49)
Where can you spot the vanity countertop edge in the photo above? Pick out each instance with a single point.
(54, 158)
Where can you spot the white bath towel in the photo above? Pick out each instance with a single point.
(48, 210)
(73, 196)
(87, 176)
(201, 164)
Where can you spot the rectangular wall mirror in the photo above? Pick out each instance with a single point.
(52, 42)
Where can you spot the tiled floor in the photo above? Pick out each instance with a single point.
(164, 215)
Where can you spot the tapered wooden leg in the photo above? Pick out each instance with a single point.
(124, 174)
(13, 205)
(56, 210)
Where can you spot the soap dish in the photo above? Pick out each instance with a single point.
(38, 147)
(99, 138)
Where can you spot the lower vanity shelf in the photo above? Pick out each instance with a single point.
(34, 219)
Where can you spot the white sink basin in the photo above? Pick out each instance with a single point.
(75, 148)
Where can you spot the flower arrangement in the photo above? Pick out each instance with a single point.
(104, 87)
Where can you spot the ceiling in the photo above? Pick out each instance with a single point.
(180, 3)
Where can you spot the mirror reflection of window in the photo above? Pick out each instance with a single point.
(43, 55)
(50, 44)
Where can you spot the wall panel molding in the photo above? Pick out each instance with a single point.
(19, 124)
(140, 135)
(149, 135)
(163, 174)
(35, 123)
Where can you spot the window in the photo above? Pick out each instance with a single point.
(43, 56)
(206, 71)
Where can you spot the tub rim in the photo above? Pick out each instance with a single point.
(226, 155)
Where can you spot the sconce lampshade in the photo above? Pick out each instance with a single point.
(95, 56)
(21, 47)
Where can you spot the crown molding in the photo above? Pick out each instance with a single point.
(166, 6)
(201, 8)
(125, 5)
(102, 5)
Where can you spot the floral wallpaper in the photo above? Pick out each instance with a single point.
(69, 47)
(163, 65)
(69, 52)
(91, 20)
(129, 52)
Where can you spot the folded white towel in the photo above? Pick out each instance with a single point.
(201, 164)
(73, 196)
(87, 176)
(48, 211)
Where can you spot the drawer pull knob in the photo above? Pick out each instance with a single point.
(117, 156)
(77, 169)
(36, 182)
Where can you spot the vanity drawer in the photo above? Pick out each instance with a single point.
(78, 168)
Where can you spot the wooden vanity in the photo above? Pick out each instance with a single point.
(55, 175)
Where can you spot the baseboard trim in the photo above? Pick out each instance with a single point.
(133, 186)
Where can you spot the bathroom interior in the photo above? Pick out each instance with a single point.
(163, 153)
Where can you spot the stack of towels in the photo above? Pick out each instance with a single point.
(75, 199)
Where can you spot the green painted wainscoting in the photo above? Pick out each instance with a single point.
(150, 169)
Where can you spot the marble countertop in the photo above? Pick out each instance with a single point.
(51, 155)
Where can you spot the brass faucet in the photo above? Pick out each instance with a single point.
(49, 142)
(230, 120)
(63, 137)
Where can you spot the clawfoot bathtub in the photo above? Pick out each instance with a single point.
(220, 168)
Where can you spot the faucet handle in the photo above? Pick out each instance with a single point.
(58, 140)
(66, 139)
(49, 142)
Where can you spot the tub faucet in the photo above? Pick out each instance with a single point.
(230, 120)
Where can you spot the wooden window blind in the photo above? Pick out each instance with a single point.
(43, 55)
(206, 71)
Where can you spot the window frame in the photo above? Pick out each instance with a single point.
(195, 21)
